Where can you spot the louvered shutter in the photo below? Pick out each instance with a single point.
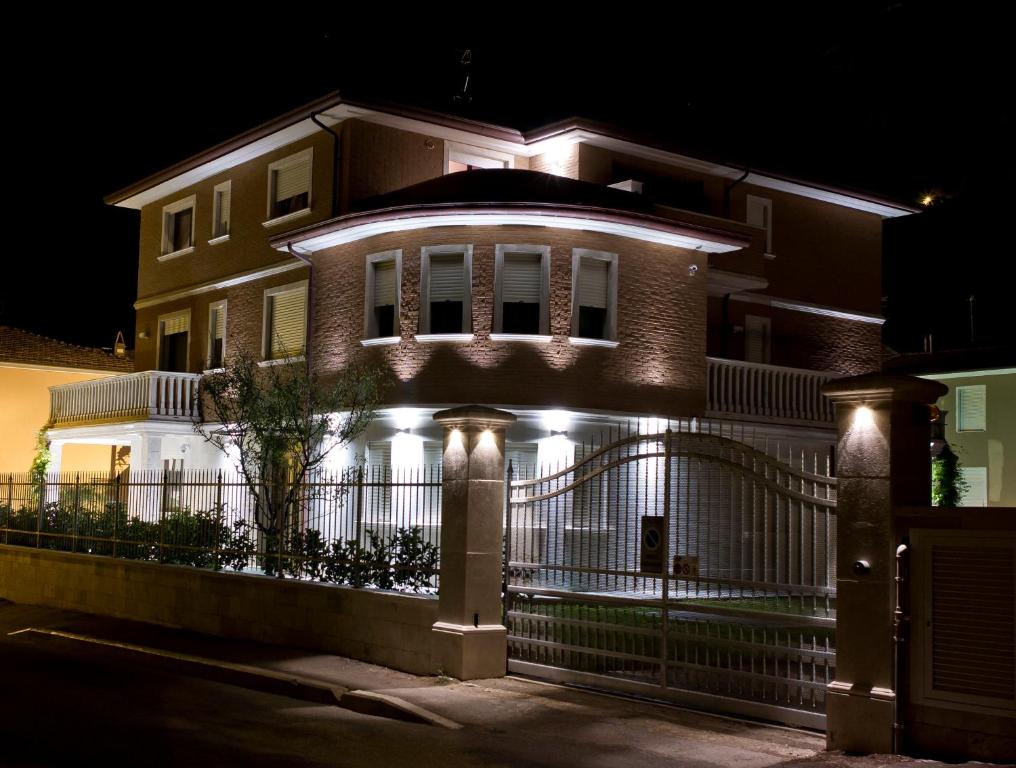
(759, 214)
(971, 403)
(178, 324)
(592, 285)
(432, 454)
(288, 323)
(222, 212)
(219, 323)
(756, 339)
(521, 278)
(384, 284)
(977, 487)
(292, 180)
(446, 277)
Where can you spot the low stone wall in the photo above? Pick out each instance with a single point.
(379, 627)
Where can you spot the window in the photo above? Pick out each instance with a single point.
(757, 334)
(462, 157)
(971, 408)
(445, 281)
(594, 296)
(220, 210)
(178, 228)
(289, 184)
(383, 284)
(521, 291)
(285, 330)
(174, 341)
(216, 334)
(759, 213)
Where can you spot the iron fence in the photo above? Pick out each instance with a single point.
(364, 526)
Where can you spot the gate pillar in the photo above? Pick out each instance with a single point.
(469, 638)
(882, 461)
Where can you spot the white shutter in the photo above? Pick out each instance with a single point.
(971, 405)
(219, 323)
(222, 211)
(292, 180)
(178, 324)
(593, 283)
(379, 454)
(432, 454)
(977, 492)
(759, 213)
(384, 283)
(520, 280)
(288, 323)
(446, 277)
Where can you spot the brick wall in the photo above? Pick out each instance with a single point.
(378, 627)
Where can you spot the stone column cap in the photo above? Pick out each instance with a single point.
(884, 386)
(480, 416)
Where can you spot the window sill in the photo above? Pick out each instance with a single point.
(533, 337)
(175, 254)
(281, 361)
(381, 341)
(219, 239)
(581, 341)
(212, 371)
(429, 337)
(288, 217)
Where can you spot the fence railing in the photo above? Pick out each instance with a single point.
(160, 395)
(366, 526)
(767, 392)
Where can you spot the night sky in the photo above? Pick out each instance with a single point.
(901, 99)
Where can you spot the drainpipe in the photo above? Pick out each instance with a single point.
(310, 303)
(900, 620)
(728, 188)
(335, 163)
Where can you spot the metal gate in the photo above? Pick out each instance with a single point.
(679, 565)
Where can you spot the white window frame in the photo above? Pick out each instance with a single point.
(168, 211)
(611, 323)
(221, 307)
(370, 337)
(763, 203)
(282, 164)
(266, 349)
(225, 186)
(160, 324)
(466, 334)
(485, 158)
(960, 426)
(499, 253)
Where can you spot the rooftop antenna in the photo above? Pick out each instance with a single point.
(464, 96)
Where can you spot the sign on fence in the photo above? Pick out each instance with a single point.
(651, 559)
(686, 566)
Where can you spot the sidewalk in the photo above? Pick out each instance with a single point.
(520, 721)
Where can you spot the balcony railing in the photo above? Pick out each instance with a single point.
(757, 392)
(148, 395)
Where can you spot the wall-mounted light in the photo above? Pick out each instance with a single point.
(559, 433)
(864, 418)
(403, 431)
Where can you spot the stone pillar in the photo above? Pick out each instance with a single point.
(882, 461)
(469, 638)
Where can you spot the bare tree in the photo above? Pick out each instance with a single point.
(279, 422)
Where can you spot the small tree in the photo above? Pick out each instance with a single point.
(948, 487)
(278, 424)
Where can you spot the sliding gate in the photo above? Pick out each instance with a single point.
(680, 565)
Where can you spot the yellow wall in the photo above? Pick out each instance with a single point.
(24, 409)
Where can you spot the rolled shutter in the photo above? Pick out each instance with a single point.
(178, 324)
(446, 277)
(384, 284)
(592, 284)
(288, 323)
(520, 281)
(292, 180)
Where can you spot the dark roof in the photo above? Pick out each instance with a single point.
(952, 360)
(24, 347)
(507, 186)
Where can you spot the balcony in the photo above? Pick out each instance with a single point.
(767, 393)
(155, 395)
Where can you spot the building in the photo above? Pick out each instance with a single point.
(979, 415)
(579, 277)
(29, 365)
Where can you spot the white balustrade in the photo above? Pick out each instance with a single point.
(147, 395)
(767, 392)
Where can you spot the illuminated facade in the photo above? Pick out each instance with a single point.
(580, 279)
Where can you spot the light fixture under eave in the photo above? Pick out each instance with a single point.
(864, 417)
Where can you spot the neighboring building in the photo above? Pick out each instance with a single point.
(573, 275)
(980, 416)
(29, 365)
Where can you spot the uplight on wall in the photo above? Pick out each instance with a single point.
(864, 418)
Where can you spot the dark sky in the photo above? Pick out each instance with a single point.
(898, 98)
